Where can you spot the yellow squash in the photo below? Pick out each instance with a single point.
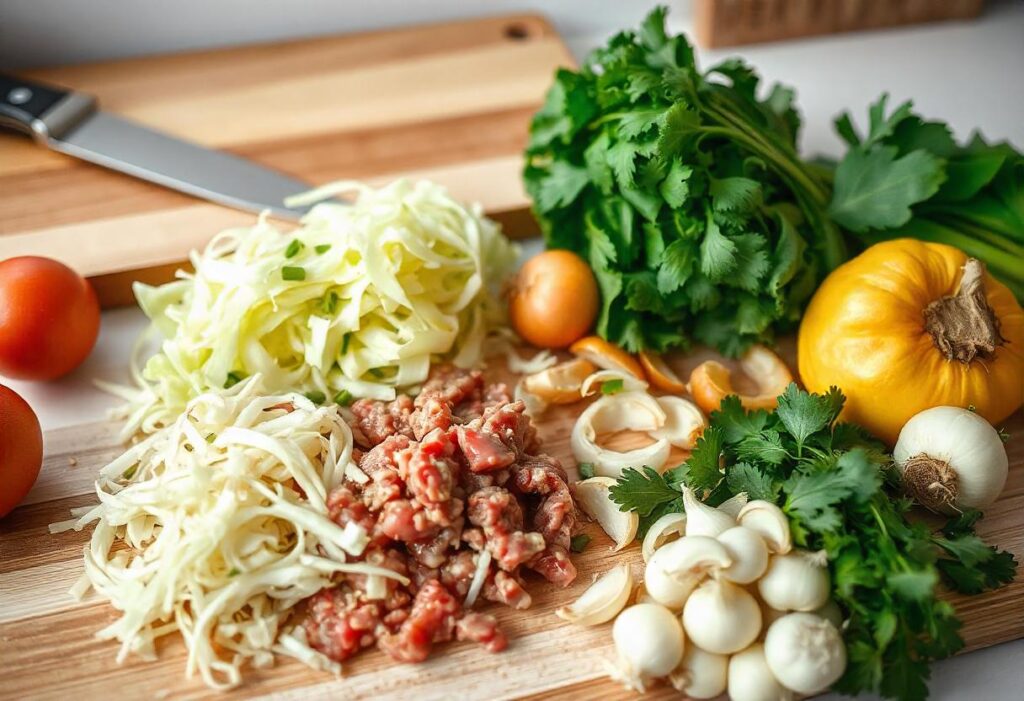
(909, 325)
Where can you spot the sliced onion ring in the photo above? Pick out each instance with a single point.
(594, 497)
(661, 531)
(602, 600)
(683, 423)
(592, 383)
(628, 411)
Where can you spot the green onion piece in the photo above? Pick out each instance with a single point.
(233, 572)
(586, 470)
(329, 303)
(316, 396)
(344, 343)
(343, 398)
(293, 248)
(376, 373)
(322, 248)
(211, 437)
(578, 542)
(234, 377)
(293, 273)
(611, 387)
(130, 472)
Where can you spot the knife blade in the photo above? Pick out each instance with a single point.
(70, 122)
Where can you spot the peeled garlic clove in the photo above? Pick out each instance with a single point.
(701, 674)
(602, 600)
(592, 383)
(748, 553)
(805, 652)
(649, 641)
(750, 679)
(734, 504)
(702, 519)
(632, 411)
(767, 520)
(676, 568)
(683, 423)
(796, 581)
(721, 617)
(594, 497)
(660, 531)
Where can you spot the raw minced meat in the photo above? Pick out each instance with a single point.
(452, 473)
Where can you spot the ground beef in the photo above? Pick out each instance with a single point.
(452, 473)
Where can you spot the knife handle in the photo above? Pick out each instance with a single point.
(39, 110)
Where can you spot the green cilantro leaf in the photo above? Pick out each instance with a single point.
(703, 470)
(747, 478)
(642, 491)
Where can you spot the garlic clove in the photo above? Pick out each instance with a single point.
(767, 520)
(633, 411)
(701, 674)
(721, 617)
(649, 641)
(676, 568)
(683, 423)
(805, 652)
(702, 519)
(602, 600)
(748, 553)
(734, 504)
(661, 531)
(594, 497)
(750, 679)
(795, 581)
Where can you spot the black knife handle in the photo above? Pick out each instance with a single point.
(43, 111)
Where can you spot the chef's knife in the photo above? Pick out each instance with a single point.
(71, 123)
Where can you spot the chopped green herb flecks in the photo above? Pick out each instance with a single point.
(293, 248)
(343, 398)
(329, 304)
(322, 248)
(578, 543)
(612, 386)
(234, 377)
(586, 470)
(316, 396)
(130, 472)
(293, 273)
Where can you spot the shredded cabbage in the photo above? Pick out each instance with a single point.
(360, 298)
(225, 520)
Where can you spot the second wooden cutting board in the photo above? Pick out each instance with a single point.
(449, 102)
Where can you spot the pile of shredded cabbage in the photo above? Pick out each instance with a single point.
(224, 519)
(359, 300)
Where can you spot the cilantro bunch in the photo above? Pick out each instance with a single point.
(684, 191)
(907, 177)
(830, 478)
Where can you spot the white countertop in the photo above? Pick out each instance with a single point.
(965, 73)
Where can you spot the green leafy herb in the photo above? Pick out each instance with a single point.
(578, 543)
(611, 386)
(684, 190)
(828, 478)
(908, 178)
(586, 470)
(293, 248)
(293, 273)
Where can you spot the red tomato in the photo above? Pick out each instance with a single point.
(49, 318)
(21, 449)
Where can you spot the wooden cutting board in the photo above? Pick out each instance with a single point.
(449, 102)
(47, 648)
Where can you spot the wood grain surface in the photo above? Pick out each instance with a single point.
(449, 102)
(47, 648)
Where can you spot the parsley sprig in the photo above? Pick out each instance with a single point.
(831, 480)
(685, 192)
